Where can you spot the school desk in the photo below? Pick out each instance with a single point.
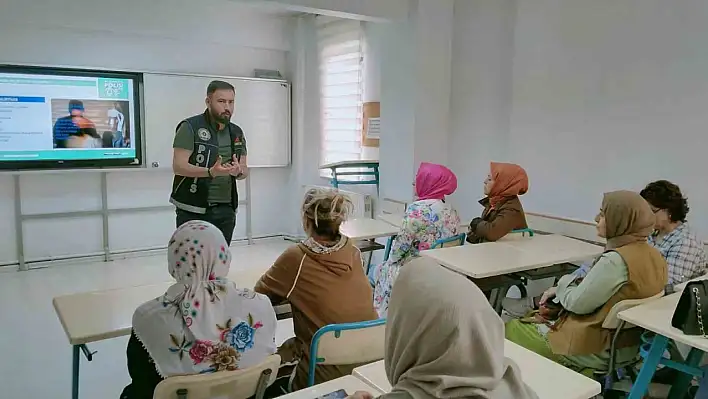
(349, 384)
(548, 379)
(655, 316)
(99, 315)
(505, 257)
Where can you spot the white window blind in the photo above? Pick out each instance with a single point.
(340, 60)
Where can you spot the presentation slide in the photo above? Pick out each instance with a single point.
(65, 118)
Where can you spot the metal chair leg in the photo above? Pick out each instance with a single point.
(641, 384)
(613, 350)
(263, 383)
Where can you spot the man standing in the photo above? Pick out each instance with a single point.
(116, 120)
(209, 155)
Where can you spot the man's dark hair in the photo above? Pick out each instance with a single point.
(76, 104)
(215, 85)
(663, 194)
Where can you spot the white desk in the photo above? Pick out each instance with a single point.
(655, 316)
(536, 372)
(504, 257)
(394, 219)
(95, 316)
(349, 384)
(367, 229)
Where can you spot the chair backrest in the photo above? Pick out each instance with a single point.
(519, 234)
(348, 343)
(454, 241)
(612, 321)
(239, 384)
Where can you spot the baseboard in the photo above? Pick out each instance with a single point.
(580, 229)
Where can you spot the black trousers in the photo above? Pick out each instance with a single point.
(222, 216)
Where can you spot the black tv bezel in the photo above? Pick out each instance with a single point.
(137, 79)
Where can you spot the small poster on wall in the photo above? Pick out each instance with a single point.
(371, 131)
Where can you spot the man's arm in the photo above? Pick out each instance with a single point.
(242, 159)
(182, 149)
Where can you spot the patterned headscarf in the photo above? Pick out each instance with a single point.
(204, 323)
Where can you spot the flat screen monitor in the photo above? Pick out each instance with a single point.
(54, 118)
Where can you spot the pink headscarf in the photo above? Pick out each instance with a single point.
(434, 181)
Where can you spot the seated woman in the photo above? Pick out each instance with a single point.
(503, 212)
(672, 236)
(323, 279)
(427, 220)
(443, 340)
(203, 323)
(630, 268)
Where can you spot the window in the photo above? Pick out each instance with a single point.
(340, 61)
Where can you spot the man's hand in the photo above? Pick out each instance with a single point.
(240, 170)
(236, 169)
(220, 169)
(361, 395)
(549, 294)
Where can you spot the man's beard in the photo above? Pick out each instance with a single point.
(223, 118)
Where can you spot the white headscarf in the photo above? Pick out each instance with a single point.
(204, 323)
(444, 340)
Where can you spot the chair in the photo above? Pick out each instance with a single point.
(518, 234)
(454, 241)
(613, 322)
(238, 384)
(347, 343)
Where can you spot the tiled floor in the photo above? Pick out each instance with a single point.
(35, 356)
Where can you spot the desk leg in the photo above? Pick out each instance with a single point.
(680, 385)
(652, 360)
(75, 360)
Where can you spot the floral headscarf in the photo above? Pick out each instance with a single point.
(204, 323)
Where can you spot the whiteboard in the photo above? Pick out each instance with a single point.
(261, 109)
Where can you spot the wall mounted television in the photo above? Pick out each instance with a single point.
(59, 118)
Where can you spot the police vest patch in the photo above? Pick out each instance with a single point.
(204, 134)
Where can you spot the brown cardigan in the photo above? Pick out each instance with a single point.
(330, 289)
(498, 222)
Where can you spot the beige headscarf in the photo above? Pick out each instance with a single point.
(628, 218)
(443, 339)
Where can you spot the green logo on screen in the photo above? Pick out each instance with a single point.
(113, 88)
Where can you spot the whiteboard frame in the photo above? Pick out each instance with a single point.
(289, 114)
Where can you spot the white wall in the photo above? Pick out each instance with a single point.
(589, 96)
(610, 95)
(480, 106)
(415, 93)
(216, 37)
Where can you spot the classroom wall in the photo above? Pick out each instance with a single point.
(480, 106)
(610, 95)
(589, 96)
(160, 35)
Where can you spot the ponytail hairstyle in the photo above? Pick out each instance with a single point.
(323, 211)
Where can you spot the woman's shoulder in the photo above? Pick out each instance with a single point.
(611, 257)
(291, 252)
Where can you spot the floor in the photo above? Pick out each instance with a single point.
(35, 356)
